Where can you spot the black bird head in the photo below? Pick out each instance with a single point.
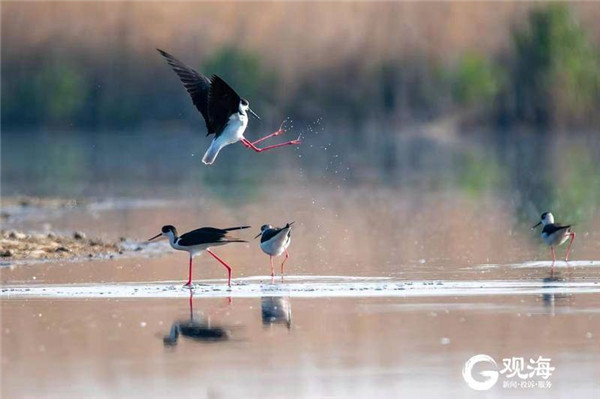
(245, 105)
(166, 231)
(546, 218)
(262, 229)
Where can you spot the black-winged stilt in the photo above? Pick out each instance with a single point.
(224, 111)
(274, 241)
(555, 234)
(197, 241)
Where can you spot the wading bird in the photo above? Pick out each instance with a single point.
(197, 241)
(274, 241)
(555, 234)
(224, 111)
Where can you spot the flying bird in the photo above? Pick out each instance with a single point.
(224, 111)
(274, 241)
(555, 234)
(197, 241)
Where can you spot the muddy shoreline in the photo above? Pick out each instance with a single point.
(18, 245)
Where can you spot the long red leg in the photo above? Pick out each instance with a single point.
(553, 256)
(224, 264)
(189, 283)
(277, 133)
(287, 255)
(248, 144)
(572, 234)
(272, 267)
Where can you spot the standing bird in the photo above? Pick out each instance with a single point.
(554, 234)
(274, 241)
(197, 241)
(224, 111)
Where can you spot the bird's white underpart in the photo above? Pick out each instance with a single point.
(233, 132)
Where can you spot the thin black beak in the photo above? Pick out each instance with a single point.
(289, 224)
(536, 225)
(253, 113)
(259, 234)
(155, 237)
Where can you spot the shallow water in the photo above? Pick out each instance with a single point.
(309, 287)
(334, 347)
(410, 254)
(384, 302)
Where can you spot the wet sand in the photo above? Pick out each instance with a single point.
(18, 246)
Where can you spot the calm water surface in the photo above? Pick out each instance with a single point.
(290, 346)
(455, 217)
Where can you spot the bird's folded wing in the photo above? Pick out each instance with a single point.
(205, 235)
(553, 228)
(236, 228)
(270, 233)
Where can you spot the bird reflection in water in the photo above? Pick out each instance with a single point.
(197, 330)
(276, 310)
(550, 299)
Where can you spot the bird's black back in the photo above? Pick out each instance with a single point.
(553, 228)
(208, 235)
(270, 233)
(223, 101)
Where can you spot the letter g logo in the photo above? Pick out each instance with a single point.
(491, 375)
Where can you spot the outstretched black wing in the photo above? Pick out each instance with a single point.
(222, 102)
(195, 83)
(208, 235)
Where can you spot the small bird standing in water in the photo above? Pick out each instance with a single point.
(274, 241)
(224, 111)
(555, 234)
(197, 241)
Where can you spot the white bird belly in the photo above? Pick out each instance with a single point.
(276, 245)
(234, 130)
(196, 249)
(232, 133)
(557, 238)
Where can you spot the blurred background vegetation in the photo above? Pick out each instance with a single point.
(94, 65)
(485, 98)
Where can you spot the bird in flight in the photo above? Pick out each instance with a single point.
(224, 111)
